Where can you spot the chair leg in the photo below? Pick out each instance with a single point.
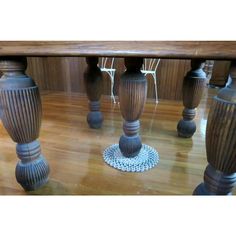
(112, 87)
(111, 75)
(155, 83)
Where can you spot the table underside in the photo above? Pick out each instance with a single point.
(217, 50)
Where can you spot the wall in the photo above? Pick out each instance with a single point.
(220, 73)
(66, 74)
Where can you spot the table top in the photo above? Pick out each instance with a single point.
(221, 50)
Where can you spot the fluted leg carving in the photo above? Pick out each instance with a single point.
(130, 154)
(193, 86)
(21, 116)
(132, 95)
(94, 85)
(220, 174)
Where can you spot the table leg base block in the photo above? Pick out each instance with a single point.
(32, 175)
(201, 190)
(186, 128)
(147, 158)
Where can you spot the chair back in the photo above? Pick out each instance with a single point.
(106, 62)
(150, 64)
(208, 68)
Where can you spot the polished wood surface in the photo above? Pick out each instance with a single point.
(93, 83)
(193, 85)
(220, 174)
(21, 114)
(131, 51)
(161, 49)
(220, 73)
(66, 74)
(74, 151)
(132, 96)
(58, 73)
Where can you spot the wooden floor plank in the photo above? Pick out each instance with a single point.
(74, 151)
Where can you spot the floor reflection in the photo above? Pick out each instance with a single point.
(53, 187)
(180, 167)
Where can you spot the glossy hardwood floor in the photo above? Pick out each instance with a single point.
(74, 151)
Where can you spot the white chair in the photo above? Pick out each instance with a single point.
(150, 67)
(208, 68)
(107, 66)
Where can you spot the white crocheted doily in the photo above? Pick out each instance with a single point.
(145, 160)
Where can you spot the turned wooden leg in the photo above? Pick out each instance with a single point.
(94, 85)
(220, 174)
(130, 154)
(132, 95)
(193, 86)
(21, 116)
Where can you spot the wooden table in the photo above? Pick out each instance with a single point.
(21, 105)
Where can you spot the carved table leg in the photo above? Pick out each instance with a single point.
(193, 85)
(21, 116)
(94, 85)
(132, 95)
(220, 174)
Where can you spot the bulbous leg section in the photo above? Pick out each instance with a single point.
(130, 146)
(186, 128)
(95, 117)
(32, 170)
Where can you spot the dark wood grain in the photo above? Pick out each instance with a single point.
(219, 177)
(21, 116)
(162, 49)
(220, 174)
(93, 84)
(220, 73)
(74, 151)
(132, 95)
(193, 86)
(66, 74)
